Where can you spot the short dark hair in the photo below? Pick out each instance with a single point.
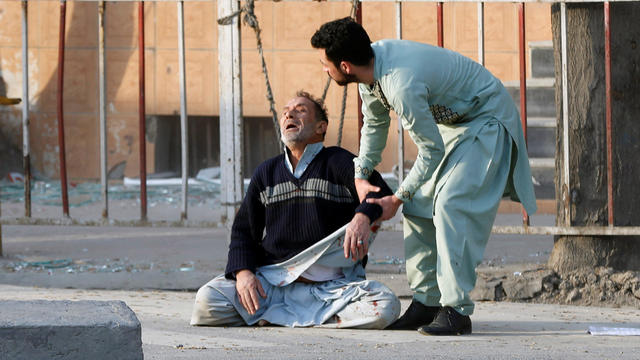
(318, 104)
(344, 40)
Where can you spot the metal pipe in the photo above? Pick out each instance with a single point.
(103, 111)
(141, 115)
(565, 116)
(1, 225)
(523, 85)
(184, 141)
(63, 160)
(440, 24)
(26, 151)
(481, 33)
(607, 75)
(400, 130)
(360, 116)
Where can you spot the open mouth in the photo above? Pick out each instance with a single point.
(291, 126)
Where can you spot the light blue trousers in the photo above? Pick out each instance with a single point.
(442, 253)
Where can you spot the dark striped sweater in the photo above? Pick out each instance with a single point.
(281, 216)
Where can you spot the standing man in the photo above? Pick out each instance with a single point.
(471, 153)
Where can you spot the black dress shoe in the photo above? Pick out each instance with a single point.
(416, 315)
(448, 322)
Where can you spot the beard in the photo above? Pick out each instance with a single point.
(291, 138)
(345, 79)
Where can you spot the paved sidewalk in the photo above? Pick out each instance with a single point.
(175, 261)
(500, 331)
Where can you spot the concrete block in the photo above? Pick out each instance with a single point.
(41, 329)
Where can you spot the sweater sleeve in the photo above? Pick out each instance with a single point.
(246, 233)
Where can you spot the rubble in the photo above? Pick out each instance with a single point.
(598, 287)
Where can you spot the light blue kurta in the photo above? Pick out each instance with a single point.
(442, 98)
(471, 152)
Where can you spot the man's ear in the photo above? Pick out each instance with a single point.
(346, 67)
(322, 127)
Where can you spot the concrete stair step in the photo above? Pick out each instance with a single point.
(541, 137)
(540, 96)
(541, 60)
(543, 173)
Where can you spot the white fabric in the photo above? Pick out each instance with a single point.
(349, 301)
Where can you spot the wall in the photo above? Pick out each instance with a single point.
(292, 63)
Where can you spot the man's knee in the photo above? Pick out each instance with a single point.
(212, 308)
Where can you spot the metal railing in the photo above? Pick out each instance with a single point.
(231, 113)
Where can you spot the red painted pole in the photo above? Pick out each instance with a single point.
(141, 115)
(63, 160)
(440, 25)
(607, 75)
(360, 116)
(523, 85)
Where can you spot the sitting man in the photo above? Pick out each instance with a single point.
(299, 240)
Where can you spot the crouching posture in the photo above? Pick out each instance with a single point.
(292, 260)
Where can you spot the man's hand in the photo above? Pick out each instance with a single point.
(248, 286)
(389, 204)
(363, 187)
(356, 238)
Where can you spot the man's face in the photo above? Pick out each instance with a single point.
(340, 77)
(298, 122)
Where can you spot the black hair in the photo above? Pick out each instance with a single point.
(318, 104)
(344, 40)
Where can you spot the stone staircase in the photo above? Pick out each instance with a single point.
(541, 117)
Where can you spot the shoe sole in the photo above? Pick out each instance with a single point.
(447, 333)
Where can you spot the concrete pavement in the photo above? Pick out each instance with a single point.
(156, 270)
(500, 331)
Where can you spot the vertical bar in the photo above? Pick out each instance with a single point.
(183, 109)
(230, 86)
(481, 33)
(103, 111)
(26, 152)
(1, 224)
(440, 24)
(607, 72)
(523, 85)
(360, 116)
(565, 115)
(400, 130)
(141, 115)
(60, 110)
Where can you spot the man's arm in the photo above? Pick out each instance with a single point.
(373, 137)
(246, 234)
(356, 242)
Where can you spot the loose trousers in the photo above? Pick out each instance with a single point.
(442, 253)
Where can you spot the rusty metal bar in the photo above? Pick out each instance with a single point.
(360, 116)
(607, 75)
(481, 33)
(523, 84)
(104, 182)
(141, 115)
(400, 130)
(26, 148)
(440, 24)
(60, 109)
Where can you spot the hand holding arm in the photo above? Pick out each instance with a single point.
(389, 204)
(363, 187)
(248, 287)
